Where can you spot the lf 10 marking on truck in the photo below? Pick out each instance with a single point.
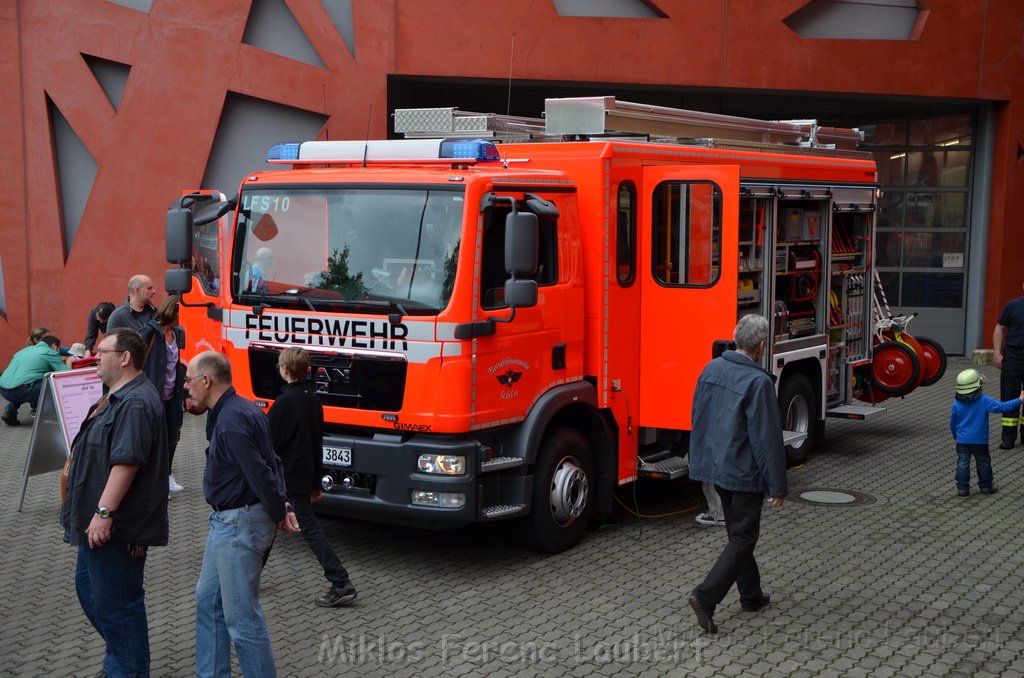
(510, 331)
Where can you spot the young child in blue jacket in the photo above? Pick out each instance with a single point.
(968, 422)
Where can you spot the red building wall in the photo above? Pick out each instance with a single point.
(186, 55)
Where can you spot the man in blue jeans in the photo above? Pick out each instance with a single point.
(244, 484)
(22, 381)
(116, 502)
(736, 443)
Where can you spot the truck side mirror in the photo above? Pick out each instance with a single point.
(178, 236)
(521, 237)
(520, 293)
(178, 280)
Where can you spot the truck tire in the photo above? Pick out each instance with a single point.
(563, 493)
(895, 368)
(933, 360)
(798, 413)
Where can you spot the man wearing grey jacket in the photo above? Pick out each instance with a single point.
(736, 443)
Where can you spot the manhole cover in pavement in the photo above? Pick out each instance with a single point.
(831, 497)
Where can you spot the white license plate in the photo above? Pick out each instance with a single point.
(338, 456)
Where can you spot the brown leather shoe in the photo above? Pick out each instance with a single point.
(704, 619)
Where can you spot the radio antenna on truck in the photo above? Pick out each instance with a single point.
(366, 137)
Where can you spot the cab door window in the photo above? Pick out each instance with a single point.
(625, 234)
(492, 269)
(686, 233)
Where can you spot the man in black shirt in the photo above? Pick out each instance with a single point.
(116, 502)
(244, 483)
(138, 308)
(1008, 355)
(296, 424)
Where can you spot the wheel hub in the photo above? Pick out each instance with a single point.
(569, 489)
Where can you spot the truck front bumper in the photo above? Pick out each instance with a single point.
(382, 480)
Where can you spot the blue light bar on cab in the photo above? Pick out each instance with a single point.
(285, 151)
(477, 149)
(384, 151)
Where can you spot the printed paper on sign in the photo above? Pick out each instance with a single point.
(952, 260)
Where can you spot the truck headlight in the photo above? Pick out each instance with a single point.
(440, 499)
(442, 464)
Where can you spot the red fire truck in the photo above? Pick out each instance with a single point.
(507, 317)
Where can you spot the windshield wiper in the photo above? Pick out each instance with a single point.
(310, 296)
(258, 300)
(393, 318)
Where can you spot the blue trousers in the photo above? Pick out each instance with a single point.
(983, 461)
(108, 580)
(228, 610)
(16, 397)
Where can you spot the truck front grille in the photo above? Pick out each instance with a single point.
(356, 380)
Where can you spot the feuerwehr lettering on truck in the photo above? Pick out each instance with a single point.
(313, 331)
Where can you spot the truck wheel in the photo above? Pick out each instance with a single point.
(798, 413)
(563, 479)
(933, 360)
(895, 368)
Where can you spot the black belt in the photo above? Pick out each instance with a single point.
(231, 507)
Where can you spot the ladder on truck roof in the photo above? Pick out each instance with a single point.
(607, 117)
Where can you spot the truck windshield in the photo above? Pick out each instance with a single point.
(370, 250)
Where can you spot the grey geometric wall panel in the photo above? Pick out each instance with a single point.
(855, 19)
(626, 9)
(340, 12)
(76, 172)
(272, 26)
(243, 120)
(112, 76)
(141, 5)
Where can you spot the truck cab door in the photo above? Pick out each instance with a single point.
(202, 321)
(688, 252)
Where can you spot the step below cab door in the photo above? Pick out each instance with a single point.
(688, 272)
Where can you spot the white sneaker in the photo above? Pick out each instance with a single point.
(708, 519)
(173, 485)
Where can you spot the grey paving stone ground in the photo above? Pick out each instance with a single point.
(917, 582)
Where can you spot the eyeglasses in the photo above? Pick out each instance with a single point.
(108, 350)
(195, 376)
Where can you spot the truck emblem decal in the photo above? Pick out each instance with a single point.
(509, 378)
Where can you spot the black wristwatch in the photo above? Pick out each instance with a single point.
(104, 513)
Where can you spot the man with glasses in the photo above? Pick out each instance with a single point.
(244, 484)
(116, 502)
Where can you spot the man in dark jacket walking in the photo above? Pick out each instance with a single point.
(736, 443)
(296, 425)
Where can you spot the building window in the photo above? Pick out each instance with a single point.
(857, 19)
(924, 168)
